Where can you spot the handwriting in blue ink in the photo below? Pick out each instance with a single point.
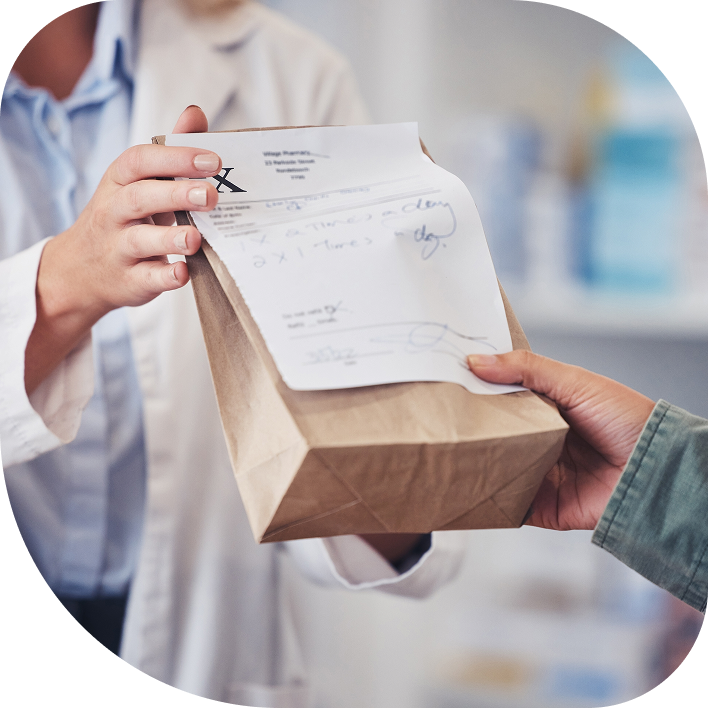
(440, 223)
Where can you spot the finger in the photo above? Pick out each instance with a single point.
(146, 161)
(147, 241)
(142, 199)
(150, 278)
(192, 120)
(560, 382)
(606, 414)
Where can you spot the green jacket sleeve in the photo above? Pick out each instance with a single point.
(656, 521)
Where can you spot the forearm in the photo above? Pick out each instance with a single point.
(63, 317)
(655, 519)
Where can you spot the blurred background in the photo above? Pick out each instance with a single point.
(591, 186)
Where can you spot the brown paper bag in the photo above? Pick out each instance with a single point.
(405, 457)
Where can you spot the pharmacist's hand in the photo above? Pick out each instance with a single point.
(115, 254)
(606, 419)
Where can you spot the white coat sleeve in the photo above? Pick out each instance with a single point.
(348, 561)
(30, 426)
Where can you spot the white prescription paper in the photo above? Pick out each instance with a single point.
(361, 261)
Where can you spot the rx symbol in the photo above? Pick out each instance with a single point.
(222, 181)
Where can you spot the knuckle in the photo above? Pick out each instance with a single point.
(133, 241)
(178, 194)
(527, 367)
(528, 357)
(128, 164)
(101, 211)
(134, 197)
(151, 281)
(525, 358)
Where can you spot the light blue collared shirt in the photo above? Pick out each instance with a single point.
(79, 508)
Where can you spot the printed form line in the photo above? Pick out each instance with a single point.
(341, 190)
(256, 225)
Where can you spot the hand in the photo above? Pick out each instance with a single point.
(606, 419)
(115, 254)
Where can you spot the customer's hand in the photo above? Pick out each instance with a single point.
(115, 254)
(605, 418)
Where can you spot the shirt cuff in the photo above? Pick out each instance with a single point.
(31, 426)
(655, 519)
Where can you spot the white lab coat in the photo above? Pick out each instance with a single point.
(205, 612)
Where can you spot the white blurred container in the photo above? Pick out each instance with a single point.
(497, 156)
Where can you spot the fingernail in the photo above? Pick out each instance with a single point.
(481, 360)
(181, 240)
(207, 162)
(174, 274)
(198, 196)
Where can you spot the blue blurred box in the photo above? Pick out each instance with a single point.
(633, 212)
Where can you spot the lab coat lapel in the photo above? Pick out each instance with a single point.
(184, 60)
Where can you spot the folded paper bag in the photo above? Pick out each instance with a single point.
(405, 457)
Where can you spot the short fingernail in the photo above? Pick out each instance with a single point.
(174, 274)
(181, 240)
(481, 360)
(198, 196)
(207, 162)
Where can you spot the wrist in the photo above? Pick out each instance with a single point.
(66, 302)
(65, 313)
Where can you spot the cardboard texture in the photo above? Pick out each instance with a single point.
(407, 457)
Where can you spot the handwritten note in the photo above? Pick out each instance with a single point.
(361, 260)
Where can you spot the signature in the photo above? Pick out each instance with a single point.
(436, 337)
(347, 356)
(408, 338)
(329, 354)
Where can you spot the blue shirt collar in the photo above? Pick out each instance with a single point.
(114, 54)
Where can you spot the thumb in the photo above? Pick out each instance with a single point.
(560, 382)
(192, 120)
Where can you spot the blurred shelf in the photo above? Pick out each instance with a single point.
(455, 696)
(575, 311)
